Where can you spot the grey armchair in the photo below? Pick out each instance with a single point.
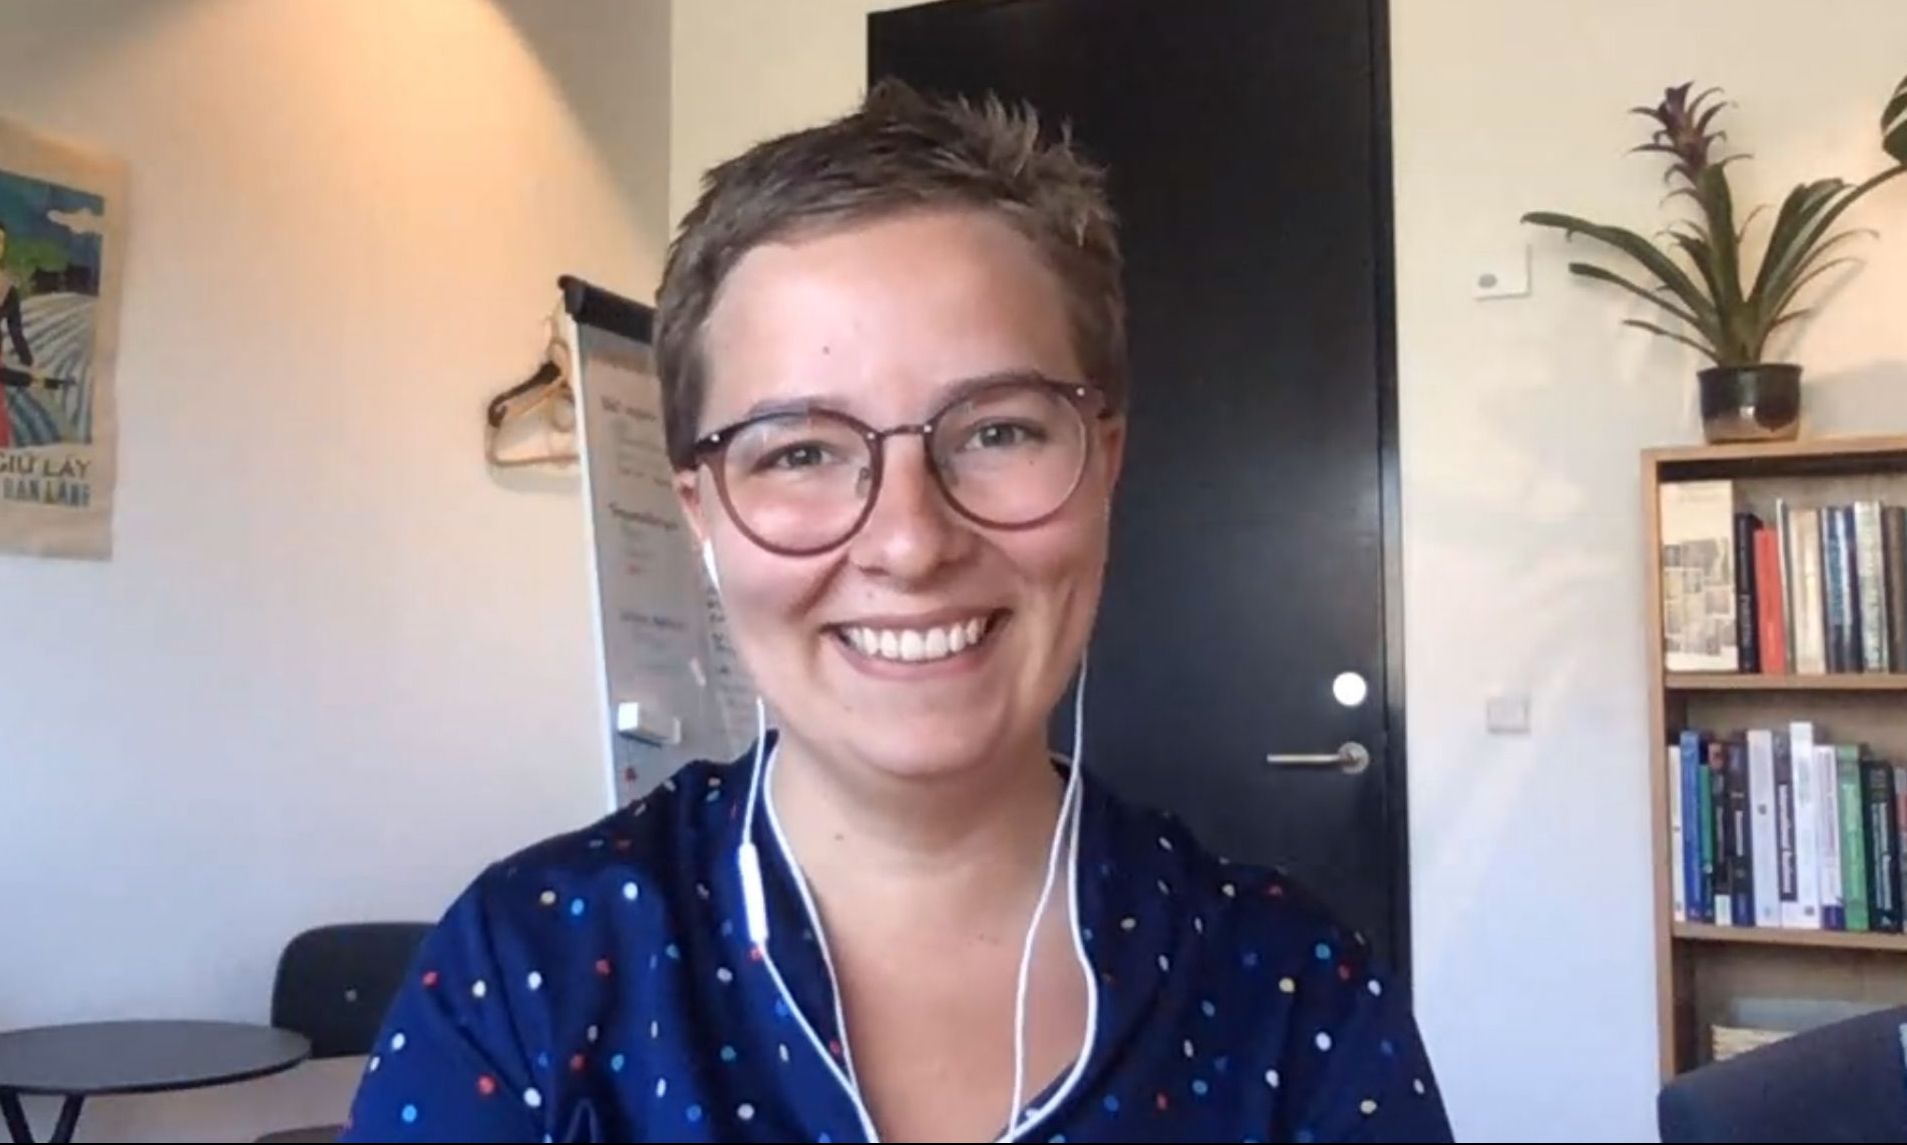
(1842, 1082)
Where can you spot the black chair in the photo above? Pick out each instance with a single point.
(1841, 1082)
(334, 985)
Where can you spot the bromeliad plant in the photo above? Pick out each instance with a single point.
(1724, 313)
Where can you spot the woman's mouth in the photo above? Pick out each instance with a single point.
(921, 644)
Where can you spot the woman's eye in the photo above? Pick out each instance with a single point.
(1002, 435)
(804, 456)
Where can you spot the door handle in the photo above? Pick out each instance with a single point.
(1350, 758)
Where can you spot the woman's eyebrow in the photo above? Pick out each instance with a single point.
(945, 395)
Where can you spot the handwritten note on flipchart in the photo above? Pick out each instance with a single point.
(666, 661)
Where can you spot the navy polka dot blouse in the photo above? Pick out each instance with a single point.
(600, 986)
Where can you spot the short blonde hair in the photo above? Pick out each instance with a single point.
(900, 150)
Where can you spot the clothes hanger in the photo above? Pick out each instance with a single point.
(547, 392)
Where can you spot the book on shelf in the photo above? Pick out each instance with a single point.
(1783, 827)
(1803, 590)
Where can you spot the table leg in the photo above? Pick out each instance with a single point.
(69, 1119)
(17, 1128)
(22, 1133)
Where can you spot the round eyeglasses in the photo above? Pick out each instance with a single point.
(1007, 455)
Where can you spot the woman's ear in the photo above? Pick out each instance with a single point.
(1112, 441)
(688, 494)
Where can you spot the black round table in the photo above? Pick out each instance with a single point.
(94, 1059)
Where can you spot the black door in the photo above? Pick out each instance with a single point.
(1255, 542)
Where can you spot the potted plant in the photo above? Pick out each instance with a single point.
(1713, 304)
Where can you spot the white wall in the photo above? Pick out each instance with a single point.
(1521, 425)
(334, 665)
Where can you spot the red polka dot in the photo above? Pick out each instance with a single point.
(622, 844)
(430, 979)
(834, 1047)
(754, 954)
(629, 773)
(487, 1085)
(602, 967)
(1275, 890)
(1344, 973)
(1162, 1103)
(576, 1063)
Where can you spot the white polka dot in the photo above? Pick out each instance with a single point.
(1367, 1107)
(701, 890)
(784, 1051)
(662, 1087)
(1128, 923)
(1287, 986)
(655, 1029)
(592, 1034)
(532, 1098)
(1271, 1078)
(1164, 887)
(668, 785)
(1165, 844)
(1324, 1040)
(724, 975)
(1229, 890)
(1418, 1085)
(478, 989)
(1377, 988)
(631, 891)
(534, 981)
(375, 1062)
(1191, 1051)
(1198, 924)
(547, 898)
(397, 1041)
(745, 1111)
(1165, 963)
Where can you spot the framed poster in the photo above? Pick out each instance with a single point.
(62, 210)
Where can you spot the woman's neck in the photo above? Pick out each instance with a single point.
(968, 850)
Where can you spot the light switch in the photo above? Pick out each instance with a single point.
(1504, 274)
(1508, 713)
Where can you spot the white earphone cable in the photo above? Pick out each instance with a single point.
(1065, 843)
(756, 909)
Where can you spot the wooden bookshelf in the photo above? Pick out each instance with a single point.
(1738, 682)
(1703, 970)
(1759, 936)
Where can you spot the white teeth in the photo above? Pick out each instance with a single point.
(913, 646)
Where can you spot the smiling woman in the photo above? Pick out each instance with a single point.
(892, 354)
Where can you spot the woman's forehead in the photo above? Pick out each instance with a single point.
(884, 313)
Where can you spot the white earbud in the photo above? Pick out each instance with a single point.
(708, 564)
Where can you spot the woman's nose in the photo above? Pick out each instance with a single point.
(911, 530)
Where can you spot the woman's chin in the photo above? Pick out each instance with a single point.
(933, 748)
